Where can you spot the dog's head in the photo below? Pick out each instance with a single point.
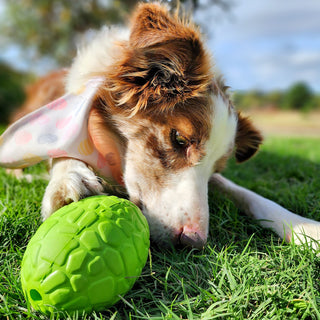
(178, 121)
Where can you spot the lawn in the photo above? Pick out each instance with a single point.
(244, 272)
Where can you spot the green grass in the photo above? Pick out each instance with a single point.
(245, 272)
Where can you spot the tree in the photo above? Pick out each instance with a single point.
(11, 91)
(298, 96)
(53, 28)
(274, 98)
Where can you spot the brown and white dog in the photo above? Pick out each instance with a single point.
(173, 126)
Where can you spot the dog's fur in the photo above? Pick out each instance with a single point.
(172, 120)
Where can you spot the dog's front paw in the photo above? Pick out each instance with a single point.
(71, 181)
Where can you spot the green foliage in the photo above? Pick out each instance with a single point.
(299, 96)
(11, 90)
(52, 28)
(314, 102)
(275, 98)
(250, 99)
(245, 271)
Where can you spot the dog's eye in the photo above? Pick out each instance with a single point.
(178, 140)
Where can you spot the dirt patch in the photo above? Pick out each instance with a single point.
(286, 123)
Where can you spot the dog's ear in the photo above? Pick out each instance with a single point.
(164, 63)
(152, 23)
(248, 139)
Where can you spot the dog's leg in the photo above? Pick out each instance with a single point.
(270, 215)
(20, 175)
(70, 181)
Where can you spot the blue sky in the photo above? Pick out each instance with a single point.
(260, 44)
(266, 44)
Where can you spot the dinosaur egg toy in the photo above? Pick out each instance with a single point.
(85, 256)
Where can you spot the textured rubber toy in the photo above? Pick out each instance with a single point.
(85, 255)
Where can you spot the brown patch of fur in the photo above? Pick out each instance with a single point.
(193, 119)
(163, 75)
(163, 64)
(184, 126)
(160, 24)
(158, 151)
(171, 155)
(248, 139)
(43, 91)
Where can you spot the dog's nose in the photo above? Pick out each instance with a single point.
(191, 238)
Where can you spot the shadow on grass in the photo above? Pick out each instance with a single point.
(239, 249)
(290, 181)
(243, 270)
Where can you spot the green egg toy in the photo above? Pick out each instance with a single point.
(85, 256)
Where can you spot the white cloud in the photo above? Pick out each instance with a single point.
(281, 70)
(259, 44)
(279, 18)
(306, 58)
(268, 44)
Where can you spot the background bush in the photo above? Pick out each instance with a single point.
(299, 96)
(12, 93)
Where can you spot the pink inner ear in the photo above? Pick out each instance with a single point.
(104, 141)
